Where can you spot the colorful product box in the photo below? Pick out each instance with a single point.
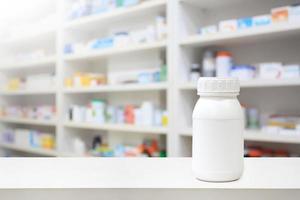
(227, 26)
(130, 2)
(261, 20)
(280, 14)
(102, 43)
(101, 6)
(245, 23)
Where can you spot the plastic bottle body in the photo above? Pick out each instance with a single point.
(218, 144)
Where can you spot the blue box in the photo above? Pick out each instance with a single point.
(68, 49)
(261, 20)
(245, 23)
(103, 43)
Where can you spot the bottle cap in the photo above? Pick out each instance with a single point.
(224, 53)
(218, 85)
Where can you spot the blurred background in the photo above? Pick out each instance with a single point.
(118, 77)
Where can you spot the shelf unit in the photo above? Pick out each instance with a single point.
(250, 46)
(182, 47)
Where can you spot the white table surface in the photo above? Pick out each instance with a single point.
(116, 173)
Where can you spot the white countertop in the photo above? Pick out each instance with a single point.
(259, 173)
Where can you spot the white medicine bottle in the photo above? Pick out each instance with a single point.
(218, 144)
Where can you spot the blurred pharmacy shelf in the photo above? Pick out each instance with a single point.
(28, 121)
(182, 48)
(31, 150)
(119, 88)
(97, 54)
(117, 127)
(285, 30)
(43, 62)
(258, 136)
(119, 14)
(253, 84)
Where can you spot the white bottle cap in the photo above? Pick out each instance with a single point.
(218, 85)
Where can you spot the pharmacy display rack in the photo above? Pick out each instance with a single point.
(177, 95)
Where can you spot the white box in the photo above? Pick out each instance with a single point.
(207, 30)
(270, 70)
(294, 14)
(22, 137)
(290, 71)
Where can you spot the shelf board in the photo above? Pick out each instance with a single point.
(243, 36)
(28, 92)
(92, 21)
(118, 88)
(270, 83)
(258, 136)
(117, 127)
(186, 132)
(28, 121)
(213, 4)
(37, 151)
(253, 84)
(35, 37)
(43, 62)
(97, 54)
(188, 86)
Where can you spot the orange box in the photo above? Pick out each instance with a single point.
(280, 14)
